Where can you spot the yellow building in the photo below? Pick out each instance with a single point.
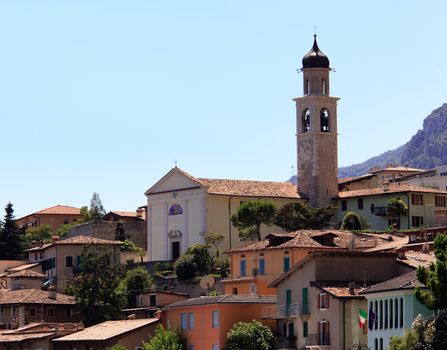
(181, 208)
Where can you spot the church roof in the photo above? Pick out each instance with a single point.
(242, 188)
(315, 58)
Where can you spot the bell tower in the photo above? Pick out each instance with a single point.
(316, 122)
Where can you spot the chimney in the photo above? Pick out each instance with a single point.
(140, 213)
(351, 286)
(52, 293)
(401, 253)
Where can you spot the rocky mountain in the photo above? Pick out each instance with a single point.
(426, 149)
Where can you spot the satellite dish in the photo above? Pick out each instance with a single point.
(255, 271)
(207, 282)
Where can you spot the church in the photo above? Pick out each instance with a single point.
(181, 208)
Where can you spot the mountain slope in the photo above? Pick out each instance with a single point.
(426, 149)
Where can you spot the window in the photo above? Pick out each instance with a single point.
(306, 120)
(417, 221)
(440, 201)
(396, 316)
(215, 319)
(307, 87)
(252, 288)
(68, 261)
(376, 320)
(191, 320)
(323, 332)
(184, 321)
(13, 311)
(360, 203)
(386, 314)
(401, 312)
(305, 329)
(323, 301)
(32, 311)
(381, 343)
(344, 205)
(381, 314)
(391, 313)
(417, 199)
(50, 312)
(190, 347)
(175, 209)
(286, 264)
(376, 344)
(234, 290)
(243, 267)
(68, 312)
(215, 347)
(262, 266)
(324, 120)
(152, 300)
(323, 87)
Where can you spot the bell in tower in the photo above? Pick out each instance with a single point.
(316, 120)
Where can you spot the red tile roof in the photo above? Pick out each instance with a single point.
(340, 289)
(26, 274)
(391, 189)
(61, 209)
(33, 296)
(86, 240)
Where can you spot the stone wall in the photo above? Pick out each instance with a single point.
(136, 231)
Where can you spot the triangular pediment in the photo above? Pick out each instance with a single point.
(174, 180)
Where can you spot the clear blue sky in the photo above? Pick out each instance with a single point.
(105, 95)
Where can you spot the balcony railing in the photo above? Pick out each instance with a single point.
(281, 311)
(317, 339)
(285, 343)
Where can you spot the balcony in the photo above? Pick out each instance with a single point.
(282, 311)
(317, 340)
(305, 309)
(285, 343)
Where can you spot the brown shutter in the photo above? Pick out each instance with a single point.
(318, 301)
(327, 300)
(328, 339)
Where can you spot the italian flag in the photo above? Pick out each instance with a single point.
(363, 316)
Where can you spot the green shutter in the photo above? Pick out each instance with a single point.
(305, 329)
(286, 264)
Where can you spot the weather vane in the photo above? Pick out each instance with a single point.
(315, 30)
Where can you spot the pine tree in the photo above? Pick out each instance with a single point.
(11, 239)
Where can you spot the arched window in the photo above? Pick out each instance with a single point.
(175, 209)
(324, 120)
(307, 87)
(306, 120)
(323, 86)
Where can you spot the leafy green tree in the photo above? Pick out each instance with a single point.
(136, 281)
(396, 207)
(86, 217)
(250, 336)
(11, 239)
(251, 215)
(353, 221)
(297, 216)
(166, 339)
(117, 347)
(97, 210)
(38, 234)
(63, 230)
(407, 342)
(95, 287)
(440, 335)
(195, 262)
(435, 278)
(213, 239)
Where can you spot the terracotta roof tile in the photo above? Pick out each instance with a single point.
(86, 240)
(23, 267)
(26, 274)
(407, 281)
(250, 188)
(107, 330)
(416, 258)
(61, 209)
(33, 296)
(313, 239)
(391, 189)
(11, 337)
(226, 299)
(340, 289)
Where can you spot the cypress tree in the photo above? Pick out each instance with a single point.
(11, 239)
